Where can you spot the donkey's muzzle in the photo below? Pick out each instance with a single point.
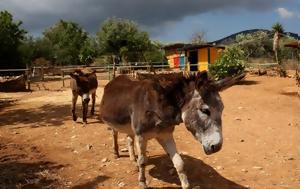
(212, 148)
(86, 100)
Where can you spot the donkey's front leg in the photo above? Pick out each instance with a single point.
(141, 145)
(85, 106)
(169, 146)
(74, 100)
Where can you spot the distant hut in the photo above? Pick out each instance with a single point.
(175, 55)
(191, 57)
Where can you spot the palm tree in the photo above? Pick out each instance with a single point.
(278, 30)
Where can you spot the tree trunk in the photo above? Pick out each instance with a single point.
(276, 46)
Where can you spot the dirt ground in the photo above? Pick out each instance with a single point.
(41, 147)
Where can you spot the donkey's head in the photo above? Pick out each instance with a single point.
(82, 82)
(202, 110)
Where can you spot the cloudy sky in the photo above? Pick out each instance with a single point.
(165, 20)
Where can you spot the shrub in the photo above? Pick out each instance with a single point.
(229, 63)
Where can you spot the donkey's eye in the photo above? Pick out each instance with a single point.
(205, 111)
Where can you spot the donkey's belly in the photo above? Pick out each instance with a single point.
(122, 128)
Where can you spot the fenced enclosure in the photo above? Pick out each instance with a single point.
(107, 72)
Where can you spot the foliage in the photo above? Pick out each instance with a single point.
(277, 27)
(11, 36)
(122, 38)
(254, 45)
(229, 63)
(155, 52)
(66, 40)
(88, 51)
(27, 50)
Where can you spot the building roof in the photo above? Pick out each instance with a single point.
(188, 46)
(174, 46)
(200, 46)
(294, 44)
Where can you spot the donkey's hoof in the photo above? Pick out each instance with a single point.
(92, 112)
(142, 185)
(84, 124)
(116, 155)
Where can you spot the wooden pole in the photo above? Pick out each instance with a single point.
(63, 77)
(114, 67)
(42, 74)
(28, 73)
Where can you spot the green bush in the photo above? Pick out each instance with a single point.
(229, 63)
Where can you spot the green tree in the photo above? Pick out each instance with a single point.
(278, 30)
(11, 36)
(229, 63)
(27, 50)
(155, 52)
(88, 51)
(253, 45)
(66, 40)
(123, 39)
(35, 48)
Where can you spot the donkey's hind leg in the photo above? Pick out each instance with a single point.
(130, 144)
(115, 143)
(93, 103)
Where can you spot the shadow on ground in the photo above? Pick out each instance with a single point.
(46, 115)
(6, 102)
(199, 173)
(248, 82)
(91, 184)
(23, 166)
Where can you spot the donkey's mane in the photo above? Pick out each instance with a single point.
(174, 80)
(175, 83)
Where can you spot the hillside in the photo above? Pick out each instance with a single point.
(231, 38)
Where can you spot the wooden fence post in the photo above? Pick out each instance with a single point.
(114, 69)
(63, 77)
(42, 73)
(28, 73)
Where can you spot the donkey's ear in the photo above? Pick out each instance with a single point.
(78, 72)
(201, 78)
(74, 75)
(227, 82)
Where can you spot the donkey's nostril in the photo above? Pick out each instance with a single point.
(213, 147)
(86, 100)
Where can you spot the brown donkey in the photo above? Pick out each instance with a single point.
(83, 83)
(151, 106)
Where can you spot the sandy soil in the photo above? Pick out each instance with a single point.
(41, 147)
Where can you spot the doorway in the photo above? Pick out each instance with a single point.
(193, 59)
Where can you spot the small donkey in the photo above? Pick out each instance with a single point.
(83, 83)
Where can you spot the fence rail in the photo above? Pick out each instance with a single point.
(38, 73)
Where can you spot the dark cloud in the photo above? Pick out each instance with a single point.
(155, 14)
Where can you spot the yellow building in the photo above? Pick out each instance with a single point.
(192, 57)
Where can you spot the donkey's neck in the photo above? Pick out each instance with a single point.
(179, 93)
